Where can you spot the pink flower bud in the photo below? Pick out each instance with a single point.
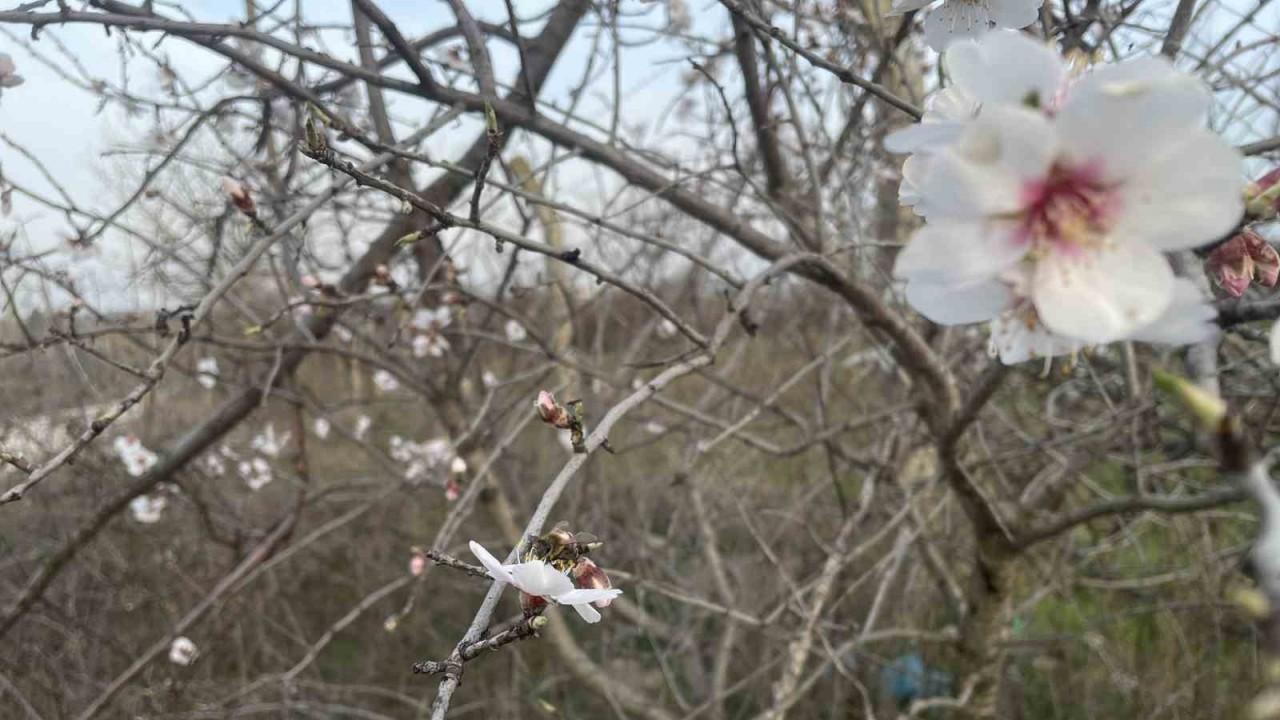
(239, 196)
(452, 490)
(588, 576)
(1266, 181)
(417, 564)
(1266, 261)
(309, 281)
(1231, 265)
(550, 411)
(1262, 197)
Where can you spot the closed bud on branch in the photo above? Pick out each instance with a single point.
(552, 412)
(239, 196)
(588, 576)
(1208, 409)
(1242, 260)
(417, 561)
(1262, 197)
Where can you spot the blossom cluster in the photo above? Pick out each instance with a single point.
(136, 457)
(1051, 197)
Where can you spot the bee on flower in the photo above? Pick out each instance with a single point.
(556, 568)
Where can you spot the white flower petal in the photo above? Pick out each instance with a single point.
(1188, 320)
(959, 253)
(1017, 340)
(954, 20)
(496, 569)
(921, 135)
(957, 305)
(588, 613)
(1006, 67)
(587, 595)
(914, 170)
(1187, 193)
(538, 578)
(986, 170)
(1014, 13)
(1122, 114)
(1104, 295)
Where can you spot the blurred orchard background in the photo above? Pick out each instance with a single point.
(281, 282)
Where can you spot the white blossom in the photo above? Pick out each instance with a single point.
(363, 423)
(136, 457)
(422, 457)
(256, 473)
(515, 331)
(458, 466)
(956, 19)
(207, 372)
(489, 379)
(1049, 211)
(147, 509)
(321, 428)
(667, 329)
(431, 320)
(214, 464)
(430, 344)
(182, 651)
(267, 443)
(536, 577)
(385, 381)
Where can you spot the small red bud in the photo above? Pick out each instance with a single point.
(532, 605)
(551, 411)
(239, 196)
(588, 576)
(1231, 266)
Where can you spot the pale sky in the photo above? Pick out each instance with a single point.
(60, 124)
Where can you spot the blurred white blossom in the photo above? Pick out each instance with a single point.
(515, 331)
(256, 473)
(267, 443)
(207, 372)
(321, 427)
(147, 509)
(431, 319)
(385, 381)
(182, 651)
(363, 423)
(136, 457)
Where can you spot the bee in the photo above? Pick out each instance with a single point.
(561, 548)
